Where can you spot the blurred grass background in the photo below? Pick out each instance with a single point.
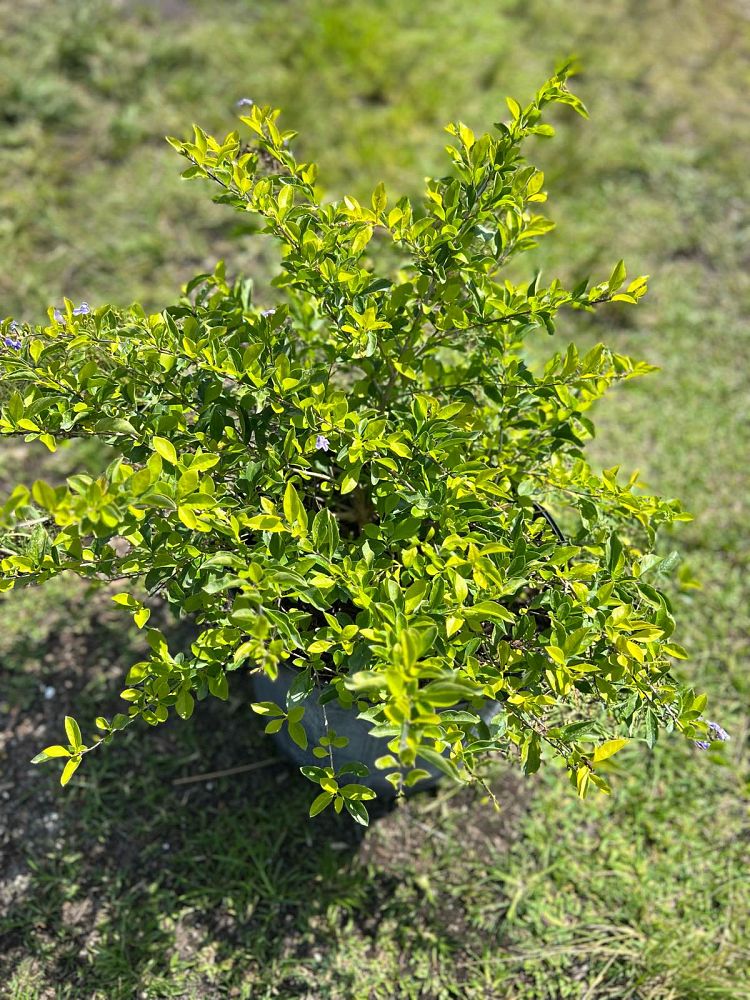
(128, 885)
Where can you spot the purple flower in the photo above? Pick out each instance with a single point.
(267, 312)
(702, 744)
(322, 443)
(245, 102)
(58, 316)
(13, 339)
(716, 732)
(82, 310)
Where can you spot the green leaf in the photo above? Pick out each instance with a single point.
(69, 770)
(608, 749)
(617, 277)
(293, 509)
(366, 680)
(677, 651)
(416, 775)
(325, 532)
(320, 803)
(166, 449)
(583, 776)
(298, 735)
(127, 600)
(531, 754)
(266, 522)
(350, 480)
(514, 107)
(489, 611)
(285, 200)
(358, 811)
(312, 773)
(142, 616)
(15, 406)
(139, 482)
(441, 763)
(444, 694)
(44, 495)
(115, 425)
(244, 618)
(219, 686)
(453, 624)
(73, 731)
(266, 708)
(49, 752)
(379, 199)
(356, 792)
(185, 704)
(360, 241)
(200, 463)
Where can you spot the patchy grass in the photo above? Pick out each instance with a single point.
(130, 885)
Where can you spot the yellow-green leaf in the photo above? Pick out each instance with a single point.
(608, 749)
(73, 731)
(69, 770)
(184, 703)
(319, 803)
(166, 449)
(48, 752)
(265, 522)
(142, 616)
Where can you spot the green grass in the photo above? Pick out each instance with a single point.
(128, 885)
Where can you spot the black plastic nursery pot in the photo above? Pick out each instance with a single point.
(361, 747)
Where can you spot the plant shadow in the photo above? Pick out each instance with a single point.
(154, 863)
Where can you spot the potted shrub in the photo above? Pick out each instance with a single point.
(366, 495)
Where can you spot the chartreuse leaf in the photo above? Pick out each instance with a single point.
(267, 708)
(166, 449)
(73, 731)
(44, 494)
(69, 770)
(48, 752)
(141, 616)
(608, 749)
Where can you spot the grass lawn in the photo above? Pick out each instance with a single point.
(135, 882)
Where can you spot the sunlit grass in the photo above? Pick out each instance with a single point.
(641, 896)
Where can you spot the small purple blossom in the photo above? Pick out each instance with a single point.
(13, 339)
(245, 102)
(267, 312)
(322, 443)
(83, 310)
(717, 732)
(57, 316)
(702, 744)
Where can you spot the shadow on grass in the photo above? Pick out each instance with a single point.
(223, 877)
(132, 881)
